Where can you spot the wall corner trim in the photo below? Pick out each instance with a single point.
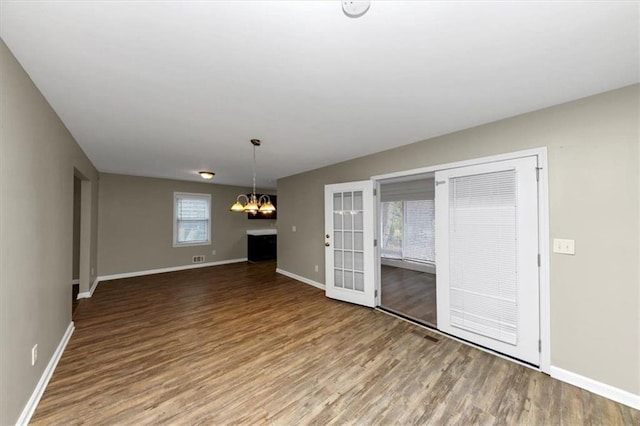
(32, 404)
(594, 386)
(88, 294)
(299, 278)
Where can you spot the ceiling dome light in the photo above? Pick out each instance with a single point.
(206, 175)
(355, 8)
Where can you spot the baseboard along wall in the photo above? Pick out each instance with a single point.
(599, 388)
(30, 408)
(87, 294)
(299, 278)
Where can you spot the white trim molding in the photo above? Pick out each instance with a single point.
(543, 228)
(30, 407)
(299, 278)
(88, 294)
(170, 269)
(599, 388)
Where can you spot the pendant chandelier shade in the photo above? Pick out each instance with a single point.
(252, 203)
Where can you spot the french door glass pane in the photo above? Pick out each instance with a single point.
(358, 240)
(348, 224)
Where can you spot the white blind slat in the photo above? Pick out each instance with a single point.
(482, 254)
(192, 218)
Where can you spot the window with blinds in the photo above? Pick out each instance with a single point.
(192, 219)
(482, 254)
(408, 230)
(392, 229)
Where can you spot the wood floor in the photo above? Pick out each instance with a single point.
(240, 344)
(409, 293)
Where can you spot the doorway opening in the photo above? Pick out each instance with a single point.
(407, 248)
(75, 277)
(488, 220)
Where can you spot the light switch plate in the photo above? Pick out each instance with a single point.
(564, 246)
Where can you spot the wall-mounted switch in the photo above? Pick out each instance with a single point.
(293, 228)
(564, 246)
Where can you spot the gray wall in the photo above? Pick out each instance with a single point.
(37, 161)
(594, 190)
(136, 224)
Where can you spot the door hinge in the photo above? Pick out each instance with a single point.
(538, 173)
(375, 192)
(375, 243)
(540, 346)
(375, 293)
(440, 182)
(539, 260)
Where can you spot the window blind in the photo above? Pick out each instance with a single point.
(482, 254)
(392, 229)
(408, 230)
(192, 215)
(419, 231)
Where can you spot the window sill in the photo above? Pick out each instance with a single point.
(205, 243)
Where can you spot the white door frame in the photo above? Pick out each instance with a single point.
(366, 296)
(543, 231)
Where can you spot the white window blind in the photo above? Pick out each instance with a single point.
(482, 254)
(408, 230)
(392, 229)
(192, 219)
(419, 232)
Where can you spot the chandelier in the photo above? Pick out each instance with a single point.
(253, 204)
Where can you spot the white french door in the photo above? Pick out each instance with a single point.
(349, 245)
(487, 256)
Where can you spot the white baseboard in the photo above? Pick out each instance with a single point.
(88, 294)
(32, 404)
(599, 388)
(301, 279)
(414, 266)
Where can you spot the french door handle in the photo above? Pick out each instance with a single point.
(327, 244)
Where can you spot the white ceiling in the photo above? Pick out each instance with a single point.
(166, 89)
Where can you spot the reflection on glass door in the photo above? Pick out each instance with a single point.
(407, 249)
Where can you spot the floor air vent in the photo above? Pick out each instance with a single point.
(426, 336)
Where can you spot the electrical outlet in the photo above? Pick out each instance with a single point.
(92, 270)
(293, 228)
(316, 268)
(213, 252)
(564, 246)
(198, 259)
(34, 354)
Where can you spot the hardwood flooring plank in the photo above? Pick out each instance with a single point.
(240, 344)
(409, 293)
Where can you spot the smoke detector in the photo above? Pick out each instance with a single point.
(355, 8)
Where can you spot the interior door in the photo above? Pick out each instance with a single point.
(349, 244)
(487, 256)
